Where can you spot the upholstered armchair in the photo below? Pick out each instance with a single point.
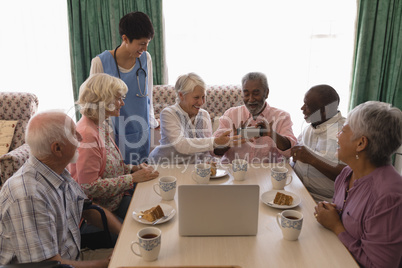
(15, 107)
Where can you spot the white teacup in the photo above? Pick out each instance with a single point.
(279, 177)
(167, 187)
(202, 173)
(149, 242)
(290, 222)
(239, 169)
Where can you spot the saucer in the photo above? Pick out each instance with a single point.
(268, 199)
(220, 173)
(167, 210)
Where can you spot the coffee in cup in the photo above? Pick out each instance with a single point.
(149, 243)
(290, 222)
(149, 236)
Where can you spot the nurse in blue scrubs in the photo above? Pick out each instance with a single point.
(131, 62)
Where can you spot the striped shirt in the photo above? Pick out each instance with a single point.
(40, 212)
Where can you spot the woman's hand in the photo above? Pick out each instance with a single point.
(144, 173)
(327, 215)
(138, 167)
(225, 140)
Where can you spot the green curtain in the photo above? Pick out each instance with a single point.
(94, 27)
(377, 73)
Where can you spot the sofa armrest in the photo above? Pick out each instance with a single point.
(12, 161)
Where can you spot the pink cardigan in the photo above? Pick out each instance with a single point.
(91, 161)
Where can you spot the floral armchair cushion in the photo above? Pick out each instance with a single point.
(221, 98)
(18, 106)
(12, 161)
(218, 99)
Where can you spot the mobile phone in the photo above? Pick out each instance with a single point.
(249, 132)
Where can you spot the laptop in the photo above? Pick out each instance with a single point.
(218, 210)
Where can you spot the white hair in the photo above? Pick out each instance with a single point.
(186, 83)
(99, 92)
(382, 125)
(47, 127)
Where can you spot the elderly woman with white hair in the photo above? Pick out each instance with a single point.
(186, 129)
(366, 212)
(100, 169)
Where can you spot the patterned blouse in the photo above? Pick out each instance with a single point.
(109, 190)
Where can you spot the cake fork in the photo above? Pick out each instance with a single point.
(163, 218)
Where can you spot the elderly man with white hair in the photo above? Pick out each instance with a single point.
(41, 205)
(275, 125)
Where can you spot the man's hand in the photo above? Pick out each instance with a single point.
(266, 128)
(302, 154)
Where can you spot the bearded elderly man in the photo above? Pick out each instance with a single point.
(314, 156)
(41, 205)
(276, 125)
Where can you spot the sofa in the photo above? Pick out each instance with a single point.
(19, 107)
(219, 98)
(22, 106)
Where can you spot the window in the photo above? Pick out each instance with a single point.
(36, 52)
(297, 44)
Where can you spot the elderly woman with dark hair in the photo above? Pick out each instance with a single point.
(366, 212)
(100, 169)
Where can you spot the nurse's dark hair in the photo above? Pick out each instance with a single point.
(136, 25)
(381, 124)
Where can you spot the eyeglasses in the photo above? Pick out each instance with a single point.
(120, 99)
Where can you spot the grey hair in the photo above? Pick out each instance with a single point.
(186, 83)
(47, 127)
(382, 125)
(256, 76)
(99, 92)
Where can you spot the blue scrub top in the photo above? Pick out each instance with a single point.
(131, 128)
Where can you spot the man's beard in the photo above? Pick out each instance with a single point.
(257, 110)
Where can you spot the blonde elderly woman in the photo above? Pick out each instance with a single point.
(366, 212)
(186, 129)
(100, 169)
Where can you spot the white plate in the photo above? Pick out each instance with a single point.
(268, 199)
(220, 173)
(167, 210)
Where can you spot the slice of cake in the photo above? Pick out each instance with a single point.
(283, 199)
(213, 168)
(153, 213)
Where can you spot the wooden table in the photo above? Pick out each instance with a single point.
(316, 246)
